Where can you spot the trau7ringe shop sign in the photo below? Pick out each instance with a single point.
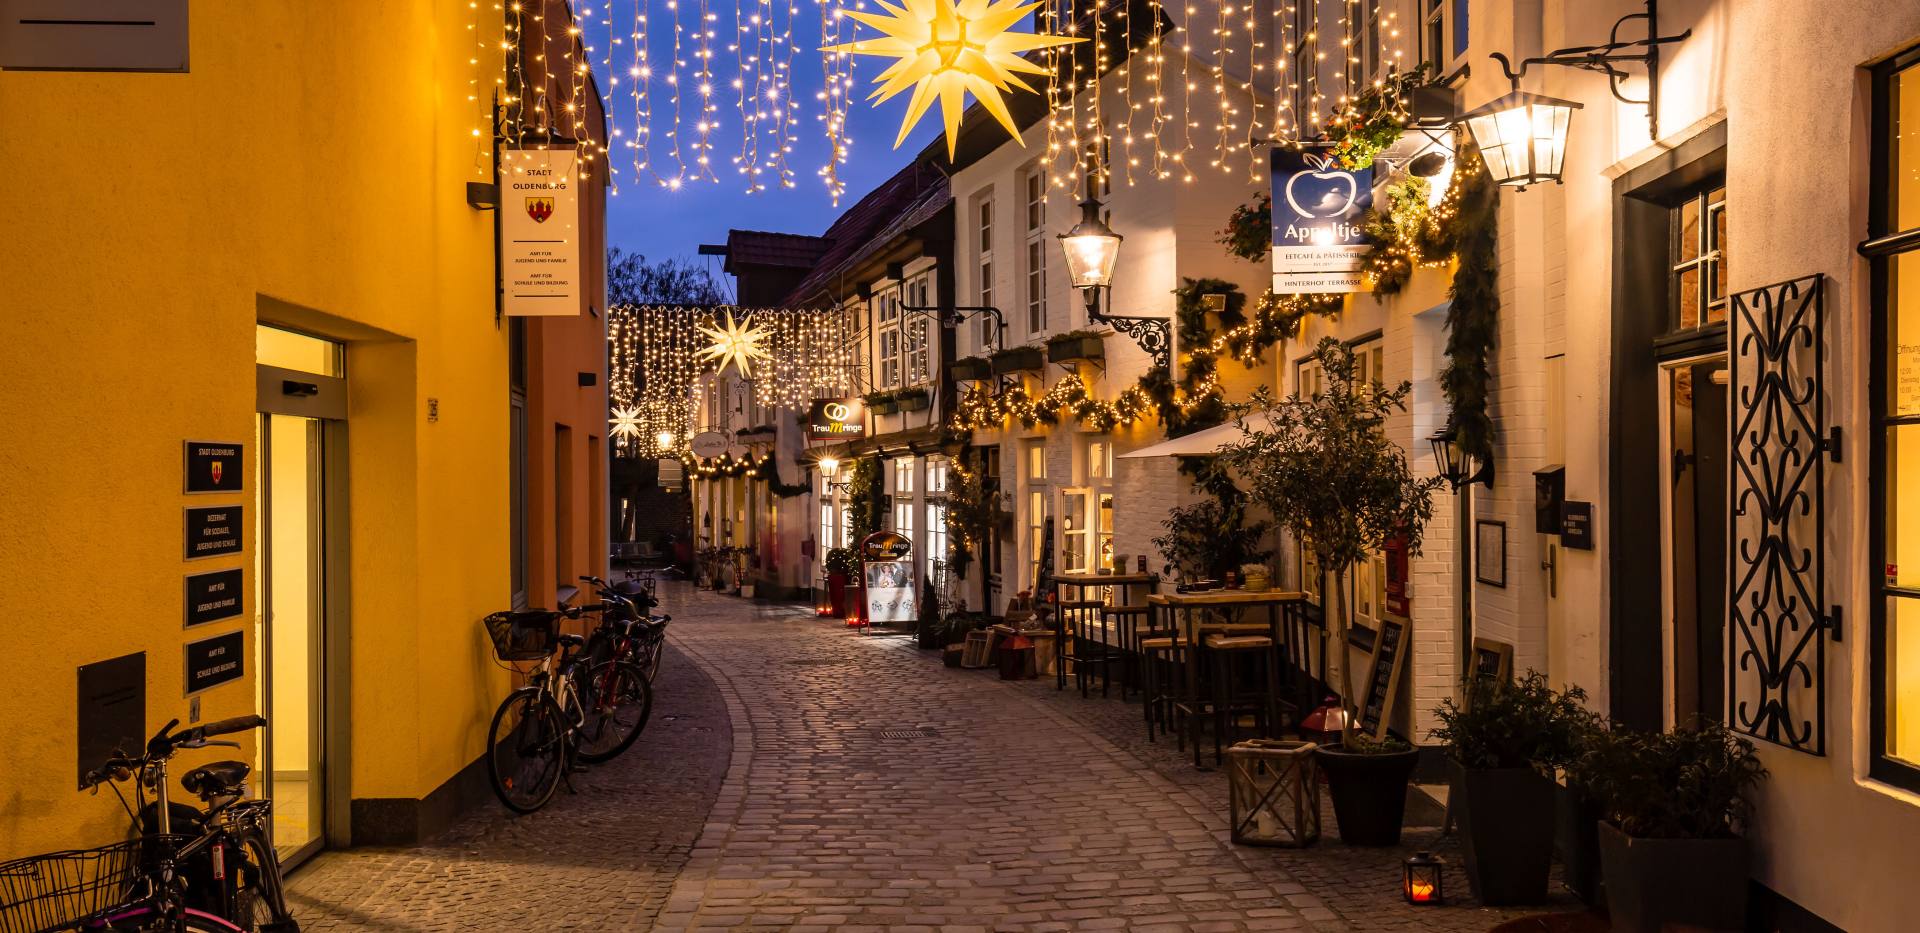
(837, 419)
(1317, 243)
(539, 232)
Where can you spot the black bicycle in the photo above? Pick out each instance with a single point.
(188, 869)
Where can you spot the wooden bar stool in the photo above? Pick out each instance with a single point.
(1230, 698)
(1125, 624)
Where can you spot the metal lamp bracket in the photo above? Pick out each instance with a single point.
(1608, 58)
(1152, 334)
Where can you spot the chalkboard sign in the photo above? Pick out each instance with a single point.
(1492, 660)
(1383, 678)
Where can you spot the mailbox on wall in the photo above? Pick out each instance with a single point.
(1549, 494)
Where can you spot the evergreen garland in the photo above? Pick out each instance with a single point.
(769, 471)
(863, 498)
(1473, 315)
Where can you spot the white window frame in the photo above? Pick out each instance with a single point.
(1033, 267)
(983, 263)
(886, 338)
(916, 359)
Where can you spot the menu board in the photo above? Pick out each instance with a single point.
(1383, 677)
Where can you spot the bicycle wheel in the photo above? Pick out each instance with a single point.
(527, 751)
(150, 920)
(620, 702)
(259, 899)
(656, 649)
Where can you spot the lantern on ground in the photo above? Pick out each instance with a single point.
(1522, 137)
(1423, 883)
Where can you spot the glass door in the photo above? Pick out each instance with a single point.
(1697, 529)
(291, 573)
(299, 573)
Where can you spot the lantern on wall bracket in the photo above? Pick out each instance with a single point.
(1093, 250)
(1453, 463)
(1523, 137)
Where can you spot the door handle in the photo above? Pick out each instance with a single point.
(1681, 460)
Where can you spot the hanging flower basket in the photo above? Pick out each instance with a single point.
(973, 368)
(1079, 346)
(1018, 359)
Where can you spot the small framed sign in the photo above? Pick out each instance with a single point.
(213, 532)
(215, 661)
(214, 596)
(1490, 552)
(213, 467)
(1492, 660)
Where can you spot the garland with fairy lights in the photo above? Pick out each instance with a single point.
(1373, 120)
(1410, 234)
(765, 468)
(1473, 309)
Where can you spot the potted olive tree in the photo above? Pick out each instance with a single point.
(1674, 806)
(1507, 739)
(1327, 471)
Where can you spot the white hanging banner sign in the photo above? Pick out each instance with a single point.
(1317, 243)
(540, 232)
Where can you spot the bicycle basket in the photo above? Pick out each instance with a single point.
(523, 634)
(59, 889)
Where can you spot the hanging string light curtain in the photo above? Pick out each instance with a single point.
(724, 91)
(660, 356)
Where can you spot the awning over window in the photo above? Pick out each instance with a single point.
(1204, 443)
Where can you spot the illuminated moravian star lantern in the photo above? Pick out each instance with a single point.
(735, 343)
(946, 50)
(625, 423)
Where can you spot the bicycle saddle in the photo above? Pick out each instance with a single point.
(216, 779)
(571, 641)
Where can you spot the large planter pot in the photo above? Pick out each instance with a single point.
(1506, 827)
(1673, 884)
(1576, 839)
(1369, 793)
(837, 594)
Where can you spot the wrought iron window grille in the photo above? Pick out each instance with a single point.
(1779, 619)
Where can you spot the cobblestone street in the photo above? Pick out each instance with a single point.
(798, 775)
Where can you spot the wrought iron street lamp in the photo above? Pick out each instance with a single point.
(1523, 137)
(1093, 250)
(1453, 463)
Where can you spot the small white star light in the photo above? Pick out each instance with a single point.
(735, 343)
(946, 50)
(625, 423)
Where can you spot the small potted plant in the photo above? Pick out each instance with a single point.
(1017, 360)
(1507, 739)
(973, 368)
(1367, 778)
(1077, 346)
(1674, 806)
(840, 567)
(1255, 578)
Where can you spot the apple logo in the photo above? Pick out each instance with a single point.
(1331, 203)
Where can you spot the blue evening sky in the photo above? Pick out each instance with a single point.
(646, 218)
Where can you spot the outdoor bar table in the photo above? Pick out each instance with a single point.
(1080, 583)
(1185, 612)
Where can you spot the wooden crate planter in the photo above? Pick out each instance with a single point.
(973, 368)
(911, 400)
(1077, 349)
(1274, 793)
(1018, 360)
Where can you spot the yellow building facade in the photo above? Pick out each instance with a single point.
(307, 173)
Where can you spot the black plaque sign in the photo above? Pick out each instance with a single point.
(1576, 526)
(213, 531)
(112, 710)
(213, 467)
(1383, 678)
(214, 596)
(215, 661)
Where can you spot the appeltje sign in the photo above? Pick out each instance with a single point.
(1317, 243)
(539, 232)
(837, 419)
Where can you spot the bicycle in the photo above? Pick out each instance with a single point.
(633, 596)
(222, 875)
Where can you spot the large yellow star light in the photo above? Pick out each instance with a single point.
(947, 50)
(736, 343)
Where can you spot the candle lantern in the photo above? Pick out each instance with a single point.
(1423, 883)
